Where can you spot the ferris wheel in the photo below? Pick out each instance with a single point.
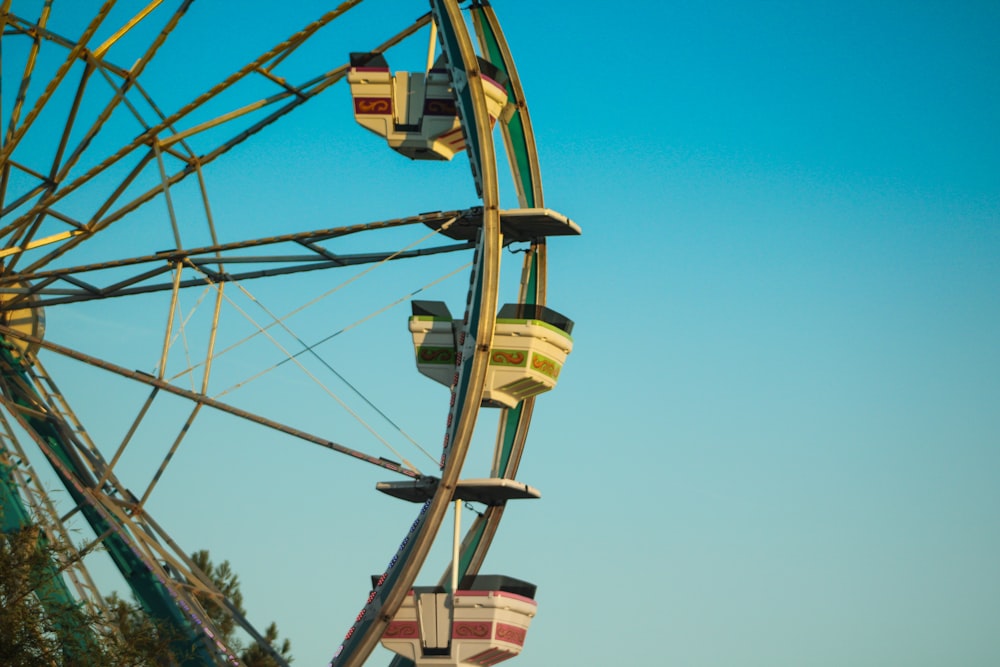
(156, 330)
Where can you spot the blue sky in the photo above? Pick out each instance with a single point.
(777, 439)
(799, 225)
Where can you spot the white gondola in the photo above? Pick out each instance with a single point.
(434, 334)
(484, 623)
(415, 111)
(530, 346)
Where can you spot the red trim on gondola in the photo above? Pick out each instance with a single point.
(402, 630)
(377, 106)
(439, 107)
(495, 83)
(510, 634)
(482, 630)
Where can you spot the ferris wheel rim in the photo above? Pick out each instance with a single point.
(474, 342)
(449, 10)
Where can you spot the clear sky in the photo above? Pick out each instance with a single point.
(777, 440)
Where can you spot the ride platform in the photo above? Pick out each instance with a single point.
(489, 491)
(517, 225)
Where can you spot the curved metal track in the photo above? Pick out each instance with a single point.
(474, 342)
(514, 422)
(37, 230)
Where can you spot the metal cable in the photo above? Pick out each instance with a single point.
(325, 295)
(319, 382)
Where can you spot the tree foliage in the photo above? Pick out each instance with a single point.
(255, 656)
(228, 583)
(35, 634)
(26, 637)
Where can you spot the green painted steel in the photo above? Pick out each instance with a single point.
(151, 593)
(519, 140)
(519, 135)
(516, 129)
(52, 591)
(13, 513)
(461, 84)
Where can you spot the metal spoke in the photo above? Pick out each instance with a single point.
(199, 398)
(151, 137)
(15, 113)
(57, 286)
(75, 51)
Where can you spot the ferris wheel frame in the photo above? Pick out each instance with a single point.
(137, 543)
